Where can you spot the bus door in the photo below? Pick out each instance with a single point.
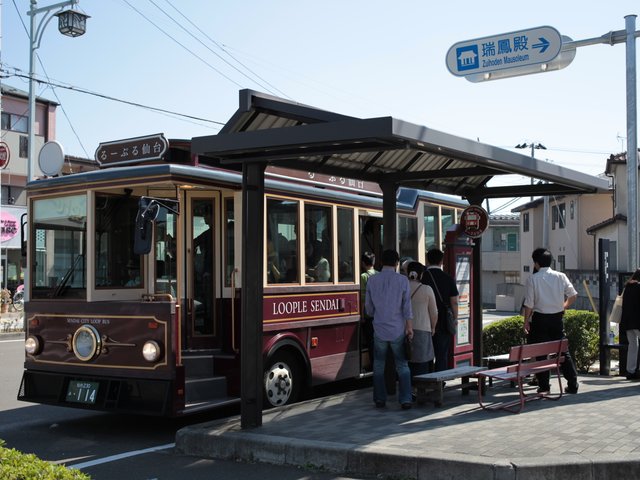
(370, 240)
(201, 268)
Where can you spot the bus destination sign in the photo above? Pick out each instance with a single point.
(132, 150)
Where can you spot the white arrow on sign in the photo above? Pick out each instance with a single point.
(534, 46)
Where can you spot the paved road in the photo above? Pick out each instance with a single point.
(109, 446)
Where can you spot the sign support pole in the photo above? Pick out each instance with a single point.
(632, 145)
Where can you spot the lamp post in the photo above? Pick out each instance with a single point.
(545, 209)
(71, 23)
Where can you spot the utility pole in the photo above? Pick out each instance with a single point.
(545, 210)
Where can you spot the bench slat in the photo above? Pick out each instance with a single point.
(525, 363)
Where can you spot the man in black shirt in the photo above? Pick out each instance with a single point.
(446, 293)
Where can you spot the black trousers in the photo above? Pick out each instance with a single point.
(546, 327)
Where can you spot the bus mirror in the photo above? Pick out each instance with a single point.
(23, 235)
(147, 212)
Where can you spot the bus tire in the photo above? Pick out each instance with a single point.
(282, 380)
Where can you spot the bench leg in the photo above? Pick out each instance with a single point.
(438, 393)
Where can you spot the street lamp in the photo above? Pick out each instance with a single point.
(545, 208)
(71, 23)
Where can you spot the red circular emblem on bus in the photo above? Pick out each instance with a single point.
(474, 220)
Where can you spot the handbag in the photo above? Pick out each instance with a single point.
(452, 323)
(616, 311)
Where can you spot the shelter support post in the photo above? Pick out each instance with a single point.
(389, 192)
(252, 289)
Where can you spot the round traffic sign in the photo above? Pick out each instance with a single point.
(5, 155)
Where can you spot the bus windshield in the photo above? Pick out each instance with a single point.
(60, 230)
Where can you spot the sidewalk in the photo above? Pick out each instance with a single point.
(11, 322)
(592, 435)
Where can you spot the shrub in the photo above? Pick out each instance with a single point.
(20, 466)
(500, 336)
(581, 328)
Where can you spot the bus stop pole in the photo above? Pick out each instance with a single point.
(252, 289)
(632, 144)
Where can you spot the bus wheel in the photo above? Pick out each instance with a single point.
(282, 380)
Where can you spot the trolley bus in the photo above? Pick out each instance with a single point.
(110, 327)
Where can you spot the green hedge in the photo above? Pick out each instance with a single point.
(15, 465)
(580, 326)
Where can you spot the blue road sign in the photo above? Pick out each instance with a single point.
(508, 50)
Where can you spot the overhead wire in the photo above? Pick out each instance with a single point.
(108, 97)
(182, 45)
(262, 85)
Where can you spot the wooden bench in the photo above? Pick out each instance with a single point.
(430, 386)
(526, 359)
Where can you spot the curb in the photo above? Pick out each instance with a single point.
(226, 442)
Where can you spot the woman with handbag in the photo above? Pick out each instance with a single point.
(630, 322)
(425, 316)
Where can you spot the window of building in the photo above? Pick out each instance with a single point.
(562, 215)
(561, 263)
(511, 277)
(23, 150)
(558, 216)
(525, 222)
(14, 122)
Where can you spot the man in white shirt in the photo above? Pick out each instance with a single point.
(549, 293)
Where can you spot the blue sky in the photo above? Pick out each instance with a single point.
(364, 58)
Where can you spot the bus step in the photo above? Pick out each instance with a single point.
(198, 365)
(205, 389)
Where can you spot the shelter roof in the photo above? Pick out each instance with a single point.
(284, 133)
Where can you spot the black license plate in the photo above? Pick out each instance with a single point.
(81, 391)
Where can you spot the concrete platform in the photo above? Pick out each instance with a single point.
(592, 435)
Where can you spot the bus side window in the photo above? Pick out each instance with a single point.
(318, 243)
(282, 241)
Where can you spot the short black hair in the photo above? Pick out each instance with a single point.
(390, 258)
(435, 256)
(542, 257)
(368, 259)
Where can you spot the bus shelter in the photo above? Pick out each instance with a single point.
(267, 130)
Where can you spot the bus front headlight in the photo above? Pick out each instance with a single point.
(151, 351)
(32, 345)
